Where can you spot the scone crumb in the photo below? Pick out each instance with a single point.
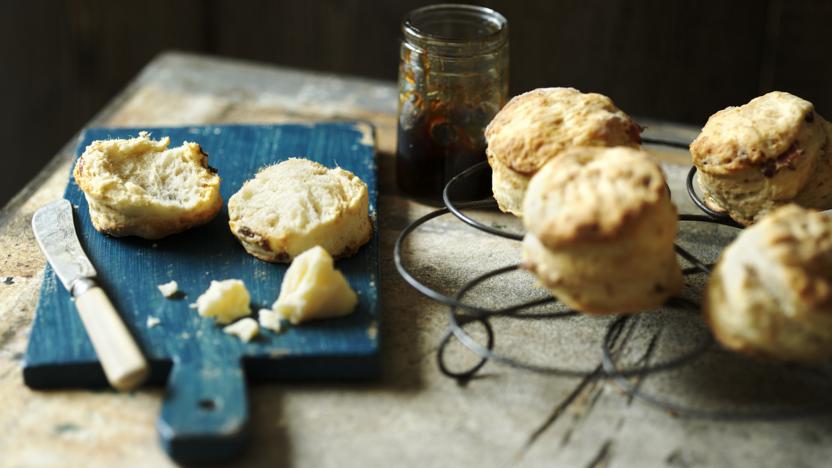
(168, 289)
(244, 329)
(269, 320)
(152, 321)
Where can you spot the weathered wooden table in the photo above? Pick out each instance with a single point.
(414, 416)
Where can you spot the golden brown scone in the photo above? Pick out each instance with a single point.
(540, 125)
(770, 294)
(297, 204)
(600, 230)
(139, 187)
(756, 157)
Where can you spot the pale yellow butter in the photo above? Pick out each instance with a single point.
(225, 301)
(313, 289)
(244, 329)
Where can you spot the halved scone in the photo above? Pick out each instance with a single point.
(140, 187)
(297, 204)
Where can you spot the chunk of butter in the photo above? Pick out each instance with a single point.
(168, 289)
(313, 289)
(225, 301)
(269, 320)
(244, 329)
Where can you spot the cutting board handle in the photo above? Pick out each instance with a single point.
(204, 417)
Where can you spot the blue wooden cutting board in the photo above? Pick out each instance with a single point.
(205, 412)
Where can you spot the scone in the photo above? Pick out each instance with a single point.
(600, 230)
(140, 187)
(769, 152)
(540, 125)
(297, 204)
(770, 294)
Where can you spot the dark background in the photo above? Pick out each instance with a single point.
(669, 59)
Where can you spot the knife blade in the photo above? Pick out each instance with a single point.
(55, 232)
(122, 361)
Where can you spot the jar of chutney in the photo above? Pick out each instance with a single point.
(453, 78)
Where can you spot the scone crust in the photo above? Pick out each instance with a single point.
(591, 194)
(297, 204)
(762, 133)
(772, 151)
(508, 186)
(124, 202)
(771, 293)
(536, 126)
(600, 229)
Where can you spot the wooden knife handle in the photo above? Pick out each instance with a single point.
(123, 362)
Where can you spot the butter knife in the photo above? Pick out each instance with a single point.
(119, 355)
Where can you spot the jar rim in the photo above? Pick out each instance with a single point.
(419, 27)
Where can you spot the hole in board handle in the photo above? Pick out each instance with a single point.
(207, 404)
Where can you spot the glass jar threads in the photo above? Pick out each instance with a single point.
(453, 78)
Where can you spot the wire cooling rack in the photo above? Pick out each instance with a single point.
(629, 377)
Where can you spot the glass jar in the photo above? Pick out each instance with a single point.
(453, 78)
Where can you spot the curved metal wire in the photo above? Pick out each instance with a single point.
(663, 142)
(487, 352)
(411, 280)
(479, 167)
(698, 265)
(467, 374)
(717, 215)
(462, 314)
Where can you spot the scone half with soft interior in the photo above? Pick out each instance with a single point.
(770, 294)
(771, 151)
(538, 126)
(140, 187)
(297, 204)
(600, 230)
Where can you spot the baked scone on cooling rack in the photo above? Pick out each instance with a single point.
(770, 294)
(140, 187)
(600, 230)
(297, 204)
(769, 152)
(538, 126)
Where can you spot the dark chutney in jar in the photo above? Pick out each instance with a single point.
(453, 78)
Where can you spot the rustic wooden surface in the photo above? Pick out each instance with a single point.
(413, 416)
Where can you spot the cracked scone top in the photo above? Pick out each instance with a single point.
(759, 133)
(297, 204)
(768, 152)
(539, 125)
(600, 230)
(593, 194)
(770, 294)
(140, 187)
